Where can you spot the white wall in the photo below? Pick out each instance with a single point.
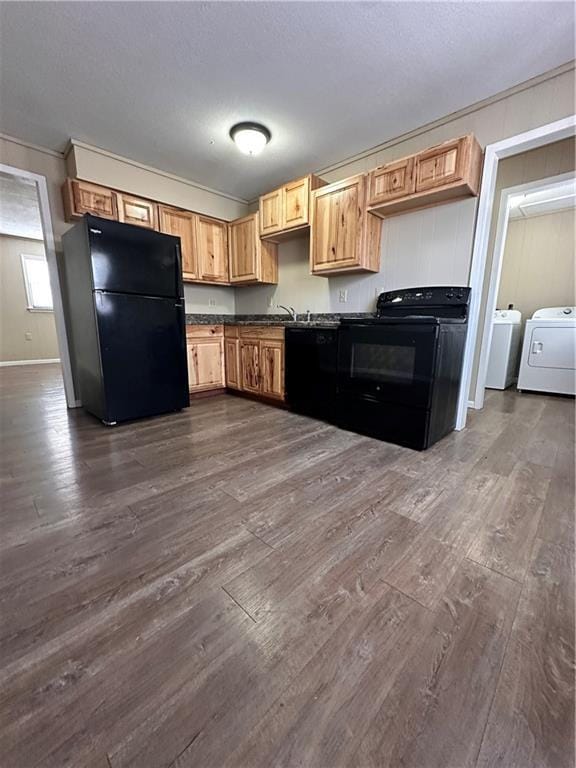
(538, 263)
(16, 320)
(423, 247)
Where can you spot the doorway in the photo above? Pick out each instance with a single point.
(494, 154)
(532, 268)
(29, 220)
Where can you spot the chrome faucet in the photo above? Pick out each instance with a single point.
(291, 311)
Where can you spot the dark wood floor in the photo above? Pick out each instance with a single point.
(240, 586)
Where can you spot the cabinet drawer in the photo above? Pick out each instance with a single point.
(204, 331)
(231, 331)
(274, 333)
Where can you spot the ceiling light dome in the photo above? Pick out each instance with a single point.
(250, 138)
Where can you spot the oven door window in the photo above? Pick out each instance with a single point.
(392, 363)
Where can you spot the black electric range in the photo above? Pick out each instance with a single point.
(399, 373)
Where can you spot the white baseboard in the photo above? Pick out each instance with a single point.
(471, 404)
(29, 362)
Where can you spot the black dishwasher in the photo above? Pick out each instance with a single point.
(310, 377)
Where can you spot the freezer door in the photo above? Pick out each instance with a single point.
(130, 259)
(143, 352)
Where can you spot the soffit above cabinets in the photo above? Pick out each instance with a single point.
(162, 83)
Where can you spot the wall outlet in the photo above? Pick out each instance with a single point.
(211, 302)
(28, 336)
(343, 296)
(379, 290)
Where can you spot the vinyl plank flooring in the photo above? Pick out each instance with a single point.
(532, 719)
(435, 713)
(237, 585)
(504, 544)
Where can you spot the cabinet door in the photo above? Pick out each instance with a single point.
(392, 180)
(337, 219)
(232, 362)
(271, 212)
(212, 249)
(444, 164)
(272, 368)
(181, 224)
(80, 197)
(250, 365)
(134, 210)
(205, 364)
(295, 203)
(243, 253)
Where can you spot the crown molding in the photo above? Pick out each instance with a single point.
(29, 145)
(120, 158)
(446, 119)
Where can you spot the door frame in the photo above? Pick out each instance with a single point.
(522, 142)
(50, 248)
(496, 270)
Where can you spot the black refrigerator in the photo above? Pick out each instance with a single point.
(126, 319)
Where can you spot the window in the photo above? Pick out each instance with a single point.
(37, 282)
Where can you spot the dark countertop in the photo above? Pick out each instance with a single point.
(325, 319)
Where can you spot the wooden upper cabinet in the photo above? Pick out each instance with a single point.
(251, 259)
(135, 210)
(211, 241)
(344, 237)
(391, 181)
(271, 212)
(441, 165)
(286, 210)
(81, 197)
(436, 175)
(295, 203)
(181, 224)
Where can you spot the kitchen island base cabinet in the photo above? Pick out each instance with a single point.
(205, 351)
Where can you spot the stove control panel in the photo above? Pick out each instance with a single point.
(428, 296)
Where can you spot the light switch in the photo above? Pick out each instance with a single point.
(28, 336)
(343, 296)
(211, 302)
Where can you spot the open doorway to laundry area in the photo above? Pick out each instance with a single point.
(32, 329)
(529, 334)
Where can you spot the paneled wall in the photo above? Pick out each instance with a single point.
(538, 263)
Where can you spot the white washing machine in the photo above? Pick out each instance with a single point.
(504, 348)
(548, 362)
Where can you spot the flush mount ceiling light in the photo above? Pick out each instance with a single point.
(250, 138)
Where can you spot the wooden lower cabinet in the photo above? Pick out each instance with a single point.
(232, 362)
(272, 368)
(205, 349)
(241, 357)
(250, 366)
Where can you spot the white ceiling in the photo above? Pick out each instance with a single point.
(19, 208)
(159, 82)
